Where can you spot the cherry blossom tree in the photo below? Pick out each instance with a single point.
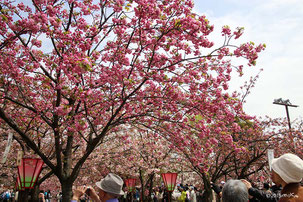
(276, 136)
(285, 140)
(246, 157)
(74, 71)
(131, 153)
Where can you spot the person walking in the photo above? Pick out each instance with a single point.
(193, 196)
(182, 197)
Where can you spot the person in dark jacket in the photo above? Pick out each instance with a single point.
(261, 195)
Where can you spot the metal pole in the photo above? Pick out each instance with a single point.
(169, 196)
(288, 119)
(287, 104)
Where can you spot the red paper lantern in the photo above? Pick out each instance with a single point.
(18, 184)
(130, 184)
(28, 172)
(169, 180)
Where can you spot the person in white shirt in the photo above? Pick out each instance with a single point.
(193, 196)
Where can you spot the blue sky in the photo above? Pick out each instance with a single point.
(278, 24)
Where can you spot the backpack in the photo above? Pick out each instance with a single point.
(7, 195)
(45, 195)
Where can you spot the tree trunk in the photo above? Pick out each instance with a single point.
(151, 177)
(23, 196)
(67, 192)
(35, 193)
(67, 179)
(142, 198)
(207, 195)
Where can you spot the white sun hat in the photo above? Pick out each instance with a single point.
(112, 184)
(289, 167)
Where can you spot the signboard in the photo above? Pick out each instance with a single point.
(8, 147)
(270, 155)
(19, 157)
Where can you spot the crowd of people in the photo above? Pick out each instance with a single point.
(44, 196)
(287, 174)
(7, 195)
